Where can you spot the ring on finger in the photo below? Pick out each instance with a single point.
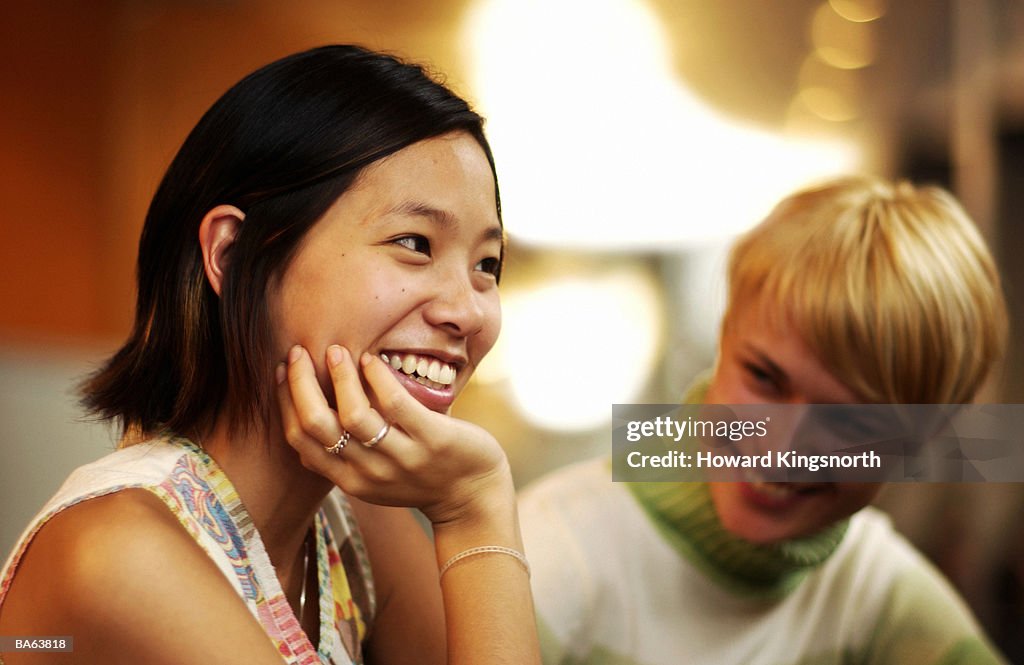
(380, 435)
(340, 444)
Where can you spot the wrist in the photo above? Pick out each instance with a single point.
(487, 516)
(475, 501)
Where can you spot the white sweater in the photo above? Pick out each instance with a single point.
(644, 574)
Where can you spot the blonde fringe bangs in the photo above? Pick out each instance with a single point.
(890, 286)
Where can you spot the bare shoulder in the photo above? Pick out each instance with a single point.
(87, 550)
(123, 577)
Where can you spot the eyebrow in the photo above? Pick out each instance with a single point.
(418, 209)
(443, 218)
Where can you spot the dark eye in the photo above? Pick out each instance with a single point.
(757, 372)
(490, 265)
(415, 243)
(761, 377)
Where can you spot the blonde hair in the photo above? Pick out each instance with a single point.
(890, 285)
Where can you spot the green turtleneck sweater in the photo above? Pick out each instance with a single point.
(685, 517)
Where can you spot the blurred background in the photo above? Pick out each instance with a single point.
(634, 140)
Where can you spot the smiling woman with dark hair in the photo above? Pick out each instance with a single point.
(317, 281)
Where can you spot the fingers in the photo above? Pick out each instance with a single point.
(312, 427)
(316, 417)
(354, 410)
(308, 416)
(358, 416)
(396, 405)
(311, 450)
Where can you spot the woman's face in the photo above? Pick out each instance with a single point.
(762, 362)
(402, 266)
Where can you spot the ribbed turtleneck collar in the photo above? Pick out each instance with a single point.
(686, 516)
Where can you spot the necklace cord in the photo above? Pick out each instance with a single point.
(305, 580)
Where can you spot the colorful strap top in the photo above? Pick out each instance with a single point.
(194, 488)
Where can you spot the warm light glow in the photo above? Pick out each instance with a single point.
(840, 42)
(600, 145)
(827, 92)
(573, 347)
(828, 104)
(859, 11)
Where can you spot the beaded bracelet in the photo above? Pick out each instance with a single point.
(486, 549)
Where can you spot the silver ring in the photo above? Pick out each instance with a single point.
(340, 444)
(380, 435)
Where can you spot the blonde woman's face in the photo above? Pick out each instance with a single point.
(402, 266)
(762, 361)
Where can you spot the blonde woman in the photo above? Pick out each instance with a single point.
(857, 291)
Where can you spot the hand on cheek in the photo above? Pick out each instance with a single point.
(426, 460)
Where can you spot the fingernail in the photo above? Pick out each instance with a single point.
(294, 353)
(280, 373)
(365, 359)
(334, 355)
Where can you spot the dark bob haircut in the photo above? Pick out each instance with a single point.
(281, 145)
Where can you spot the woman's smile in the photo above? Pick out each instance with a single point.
(425, 369)
(427, 377)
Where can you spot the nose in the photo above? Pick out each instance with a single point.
(456, 305)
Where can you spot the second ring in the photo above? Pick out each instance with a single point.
(380, 435)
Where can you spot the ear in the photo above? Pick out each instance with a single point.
(217, 234)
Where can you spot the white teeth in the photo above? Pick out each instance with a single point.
(432, 371)
(427, 382)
